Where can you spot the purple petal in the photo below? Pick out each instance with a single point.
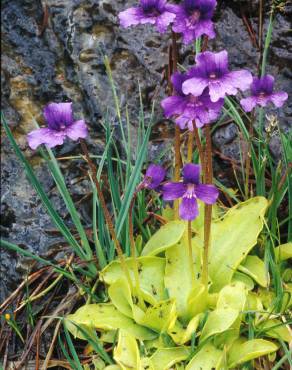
(248, 103)
(164, 20)
(173, 105)
(219, 88)
(205, 27)
(207, 193)
(57, 114)
(173, 190)
(177, 80)
(183, 121)
(279, 98)
(194, 86)
(191, 173)
(263, 84)
(78, 130)
(213, 62)
(241, 79)
(154, 176)
(188, 209)
(132, 17)
(46, 136)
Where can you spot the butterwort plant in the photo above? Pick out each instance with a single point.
(60, 125)
(194, 19)
(262, 93)
(189, 191)
(156, 12)
(186, 108)
(144, 297)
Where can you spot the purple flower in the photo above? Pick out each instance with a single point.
(212, 71)
(193, 19)
(59, 117)
(154, 176)
(188, 107)
(157, 12)
(262, 93)
(189, 190)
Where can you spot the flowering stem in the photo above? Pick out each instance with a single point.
(199, 145)
(208, 207)
(106, 213)
(248, 159)
(177, 157)
(190, 146)
(133, 252)
(190, 251)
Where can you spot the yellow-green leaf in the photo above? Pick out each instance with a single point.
(126, 354)
(232, 238)
(276, 329)
(151, 274)
(159, 317)
(178, 276)
(256, 269)
(246, 280)
(243, 351)
(105, 316)
(232, 296)
(180, 334)
(120, 295)
(167, 236)
(284, 251)
(206, 359)
(164, 358)
(218, 321)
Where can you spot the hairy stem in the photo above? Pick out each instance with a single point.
(190, 251)
(199, 144)
(190, 146)
(106, 213)
(248, 159)
(177, 156)
(208, 207)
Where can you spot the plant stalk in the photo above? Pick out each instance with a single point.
(208, 207)
(190, 251)
(177, 156)
(199, 145)
(106, 213)
(190, 146)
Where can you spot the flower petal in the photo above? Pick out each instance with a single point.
(241, 79)
(207, 193)
(164, 20)
(279, 98)
(154, 176)
(188, 209)
(205, 27)
(194, 86)
(191, 173)
(57, 114)
(173, 105)
(131, 17)
(78, 130)
(248, 103)
(177, 80)
(46, 136)
(173, 190)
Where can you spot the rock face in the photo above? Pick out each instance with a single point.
(53, 51)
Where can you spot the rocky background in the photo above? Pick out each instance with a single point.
(51, 51)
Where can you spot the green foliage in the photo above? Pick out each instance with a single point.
(183, 322)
